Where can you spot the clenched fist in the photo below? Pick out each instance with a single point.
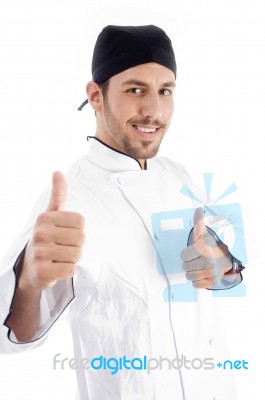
(56, 244)
(206, 260)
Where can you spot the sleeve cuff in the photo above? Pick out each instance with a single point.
(54, 301)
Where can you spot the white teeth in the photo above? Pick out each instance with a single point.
(145, 130)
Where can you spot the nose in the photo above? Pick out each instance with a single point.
(151, 106)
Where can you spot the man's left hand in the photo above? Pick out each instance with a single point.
(206, 260)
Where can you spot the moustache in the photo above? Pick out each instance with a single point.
(149, 121)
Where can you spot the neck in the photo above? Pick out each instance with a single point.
(108, 140)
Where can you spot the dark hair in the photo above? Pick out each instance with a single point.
(104, 86)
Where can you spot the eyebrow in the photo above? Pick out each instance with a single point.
(140, 83)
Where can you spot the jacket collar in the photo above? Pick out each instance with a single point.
(107, 157)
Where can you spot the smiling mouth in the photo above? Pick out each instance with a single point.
(146, 129)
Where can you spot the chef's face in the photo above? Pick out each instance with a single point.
(137, 110)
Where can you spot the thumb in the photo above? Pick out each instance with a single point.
(199, 225)
(58, 193)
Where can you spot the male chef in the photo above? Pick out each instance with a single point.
(90, 249)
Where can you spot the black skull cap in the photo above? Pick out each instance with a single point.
(122, 47)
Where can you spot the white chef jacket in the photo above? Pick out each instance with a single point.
(115, 303)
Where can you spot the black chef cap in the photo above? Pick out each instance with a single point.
(121, 47)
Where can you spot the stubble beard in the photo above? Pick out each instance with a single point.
(144, 151)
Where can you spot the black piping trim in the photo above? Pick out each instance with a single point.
(20, 258)
(117, 151)
(80, 108)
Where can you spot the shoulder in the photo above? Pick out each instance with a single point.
(75, 168)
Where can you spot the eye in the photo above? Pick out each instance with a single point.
(166, 92)
(135, 90)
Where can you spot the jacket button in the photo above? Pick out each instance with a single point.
(121, 180)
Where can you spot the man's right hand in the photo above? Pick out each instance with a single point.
(56, 243)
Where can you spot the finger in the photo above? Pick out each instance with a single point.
(204, 242)
(190, 253)
(203, 284)
(200, 228)
(68, 237)
(199, 263)
(58, 253)
(60, 236)
(63, 219)
(58, 193)
(207, 263)
(207, 282)
(199, 275)
(54, 271)
(212, 275)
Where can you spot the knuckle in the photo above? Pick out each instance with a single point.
(188, 276)
(43, 218)
(183, 254)
(39, 253)
(38, 235)
(184, 266)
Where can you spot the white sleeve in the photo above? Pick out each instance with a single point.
(54, 301)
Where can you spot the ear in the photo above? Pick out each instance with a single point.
(94, 96)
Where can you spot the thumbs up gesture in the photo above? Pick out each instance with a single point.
(56, 243)
(207, 259)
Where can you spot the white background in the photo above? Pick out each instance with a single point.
(219, 126)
